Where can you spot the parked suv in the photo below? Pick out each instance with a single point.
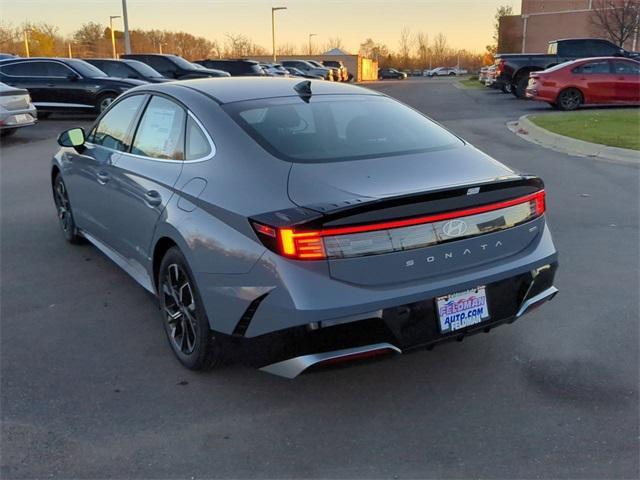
(64, 84)
(126, 68)
(173, 66)
(343, 74)
(235, 68)
(308, 68)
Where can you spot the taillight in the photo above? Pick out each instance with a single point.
(397, 235)
(500, 67)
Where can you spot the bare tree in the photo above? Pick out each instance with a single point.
(440, 48)
(333, 42)
(287, 49)
(405, 46)
(92, 39)
(616, 20)
(422, 43)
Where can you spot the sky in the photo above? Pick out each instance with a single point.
(467, 24)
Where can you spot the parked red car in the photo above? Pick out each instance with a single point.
(602, 80)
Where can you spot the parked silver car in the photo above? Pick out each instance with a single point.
(302, 221)
(16, 109)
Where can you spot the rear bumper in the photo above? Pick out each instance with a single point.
(280, 294)
(401, 329)
(10, 119)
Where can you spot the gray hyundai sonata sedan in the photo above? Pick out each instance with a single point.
(294, 224)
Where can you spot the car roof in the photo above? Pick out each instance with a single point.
(237, 89)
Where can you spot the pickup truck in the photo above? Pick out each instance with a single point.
(513, 69)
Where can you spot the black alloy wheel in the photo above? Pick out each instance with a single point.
(184, 319)
(569, 99)
(63, 209)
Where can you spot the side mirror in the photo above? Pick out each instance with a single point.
(74, 137)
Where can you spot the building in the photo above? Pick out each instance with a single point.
(542, 21)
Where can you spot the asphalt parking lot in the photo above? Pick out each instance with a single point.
(91, 389)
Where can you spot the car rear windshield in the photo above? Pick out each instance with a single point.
(338, 127)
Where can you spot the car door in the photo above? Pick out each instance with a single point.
(595, 80)
(87, 173)
(28, 74)
(144, 177)
(65, 86)
(626, 75)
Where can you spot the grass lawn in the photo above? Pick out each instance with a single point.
(471, 83)
(615, 128)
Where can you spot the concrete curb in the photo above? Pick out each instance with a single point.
(529, 131)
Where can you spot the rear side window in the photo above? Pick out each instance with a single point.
(620, 67)
(161, 131)
(25, 69)
(331, 127)
(593, 68)
(197, 145)
(114, 129)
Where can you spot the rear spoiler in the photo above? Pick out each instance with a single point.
(366, 210)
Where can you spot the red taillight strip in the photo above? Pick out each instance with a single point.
(537, 196)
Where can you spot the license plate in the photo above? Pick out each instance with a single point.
(21, 118)
(462, 309)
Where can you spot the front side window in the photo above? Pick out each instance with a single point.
(338, 127)
(593, 68)
(55, 69)
(117, 69)
(114, 129)
(620, 67)
(161, 131)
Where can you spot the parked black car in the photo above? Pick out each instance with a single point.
(514, 68)
(235, 68)
(174, 67)
(64, 84)
(391, 73)
(127, 68)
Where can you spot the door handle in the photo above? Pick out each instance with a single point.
(103, 177)
(51, 84)
(152, 198)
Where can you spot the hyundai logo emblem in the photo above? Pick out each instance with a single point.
(454, 228)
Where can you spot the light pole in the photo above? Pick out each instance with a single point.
(125, 19)
(273, 29)
(113, 36)
(70, 55)
(311, 35)
(26, 42)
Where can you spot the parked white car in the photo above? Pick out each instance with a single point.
(16, 109)
(446, 71)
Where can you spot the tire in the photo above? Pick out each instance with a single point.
(569, 99)
(183, 316)
(452, 74)
(520, 85)
(65, 214)
(104, 101)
